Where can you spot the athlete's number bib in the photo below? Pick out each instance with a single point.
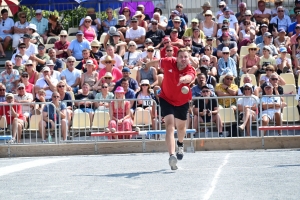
(147, 102)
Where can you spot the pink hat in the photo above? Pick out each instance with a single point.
(119, 90)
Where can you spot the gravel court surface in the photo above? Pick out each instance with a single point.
(261, 174)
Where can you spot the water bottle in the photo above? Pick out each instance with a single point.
(49, 138)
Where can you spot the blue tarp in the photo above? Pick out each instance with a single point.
(51, 5)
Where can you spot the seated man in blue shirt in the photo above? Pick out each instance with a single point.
(76, 46)
(170, 22)
(133, 84)
(201, 82)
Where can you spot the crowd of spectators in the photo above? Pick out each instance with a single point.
(126, 65)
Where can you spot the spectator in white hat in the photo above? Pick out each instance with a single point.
(35, 38)
(19, 29)
(226, 64)
(89, 32)
(96, 22)
(222, 5)
(61, 46)
(41, 23)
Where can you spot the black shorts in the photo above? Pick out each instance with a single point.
(179, 112)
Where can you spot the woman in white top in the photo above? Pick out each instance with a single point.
(131, 55)
(208, 26)
(270, 69)
(104, 94)
(248, 107)
(248, 32)
(19, 29)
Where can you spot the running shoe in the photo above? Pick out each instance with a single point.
(173, 162)
(179, 152)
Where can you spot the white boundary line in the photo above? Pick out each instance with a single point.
(216, 178)
(27, 165)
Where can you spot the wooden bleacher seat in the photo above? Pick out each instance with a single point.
(289, 89)
(290, 114)
(100, 120)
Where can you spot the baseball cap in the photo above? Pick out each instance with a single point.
(49, 62)
(18, 55)
(205, 86)
(225, 27)
(281, 30)
(195, 20)
(226, 9)
(26, 36)
(209, 37)
(268, 84)
(24, 73)
(46, 69)
(121, 17)
(282, 49)
(174, 30)
(9, 95)
(20, 85)
(204, 67)
(126, 69)
(266, 34)
(38, 11)
(205, 57)
(226, 21)
(267, 47)
(154, 21)
(89, 62)
(79, 33)
(248, 85)
(148, 40)
(134, 19)
(175, 12)
(177, 19)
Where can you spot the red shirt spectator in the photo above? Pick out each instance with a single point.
(163, 52)
(61, 45)
(5, 111)
(170, 90)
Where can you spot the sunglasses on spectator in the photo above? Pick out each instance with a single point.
(154, 23)
(87, 21)
(31, 29)
(247, 89)
(8, 65)
(176, 22)
(60, 86)
(55, 97)
(169, 50)
(21, 88)
(132, 45)
(279, 10)
(269, 36)
(24, 76)
(209, 39)
(206, 49)
(107, 77)
(95, 47)
(205, 91)
(269, 70)
(2, 90)
(298, 27)
(225, 53)
(179, 7)
(147, 43)
(133, 21)
(221, 6)
(186, 40)
(207, 15)
(107, 62)
(71, 61)
(204, 60)
(126, 11)
(63, 36)
(38, 14)
(23, 17)
(104, 86)
(41, 48)
(274, 79)
(229, 79)
(151, 51)
(30, 65)
(246, 24)
(139, 16)
(144, 85)
(251, 49)
(22, 47)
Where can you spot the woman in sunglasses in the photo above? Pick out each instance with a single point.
(248, 107)
(250, 61)
(131, 55)
(19, 29)
(248, 32)
(270, 69)
(35, 38)
(127, 13)
(106, 79)
(87, 29)
(90, 76)
(65, 96)
(28, 86)
(145, 100)
(104, 94)
(211, 62)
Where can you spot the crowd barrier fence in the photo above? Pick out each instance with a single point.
(80, 124)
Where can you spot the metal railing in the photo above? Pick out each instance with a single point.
(80, 123)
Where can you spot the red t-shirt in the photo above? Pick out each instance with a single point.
(5, 110)
(58, 45)
(163, 52)
(29, 88)
(170, 90)
(116, 73)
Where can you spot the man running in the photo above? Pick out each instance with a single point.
(174, 104)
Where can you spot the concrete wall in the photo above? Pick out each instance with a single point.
(151, 146)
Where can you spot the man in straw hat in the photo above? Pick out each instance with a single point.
(175, 104)
(110, 50)
(200, 16)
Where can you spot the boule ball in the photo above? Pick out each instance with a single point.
(185, 89)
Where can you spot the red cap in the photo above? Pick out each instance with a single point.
(226, 34)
